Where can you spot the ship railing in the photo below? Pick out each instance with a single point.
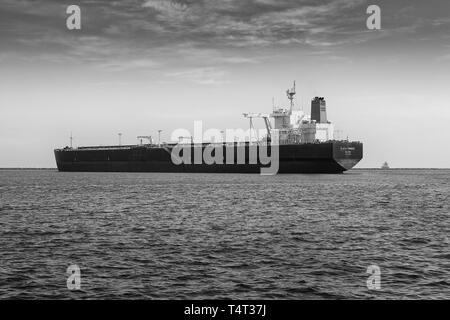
(125, 147)
(218, 144)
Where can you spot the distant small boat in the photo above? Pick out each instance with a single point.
(385, 166)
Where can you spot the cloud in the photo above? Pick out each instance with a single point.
(444, 57)
(204, 76)
(196, 31)
(129, 64)
(168, 6)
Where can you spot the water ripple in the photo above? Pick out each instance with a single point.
(180, 236)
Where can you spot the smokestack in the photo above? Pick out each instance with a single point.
(319, 110)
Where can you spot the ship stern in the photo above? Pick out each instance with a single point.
(347, 153)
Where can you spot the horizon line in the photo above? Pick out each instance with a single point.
(362, 168)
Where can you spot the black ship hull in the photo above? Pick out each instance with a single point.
(325, 157)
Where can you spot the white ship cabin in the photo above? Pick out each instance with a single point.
(294, 126)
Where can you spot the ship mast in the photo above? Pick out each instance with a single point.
(159, 138)
(290, 94)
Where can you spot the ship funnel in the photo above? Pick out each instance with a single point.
(319, 110)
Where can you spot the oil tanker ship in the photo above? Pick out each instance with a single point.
(294, 143)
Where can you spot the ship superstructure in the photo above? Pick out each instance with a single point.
(294, 126)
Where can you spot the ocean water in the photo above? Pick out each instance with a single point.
(207, 236)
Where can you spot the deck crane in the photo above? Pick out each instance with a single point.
(181, 138)
(149, 138)
(259, 115)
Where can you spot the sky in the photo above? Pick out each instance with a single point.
(139, 66)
